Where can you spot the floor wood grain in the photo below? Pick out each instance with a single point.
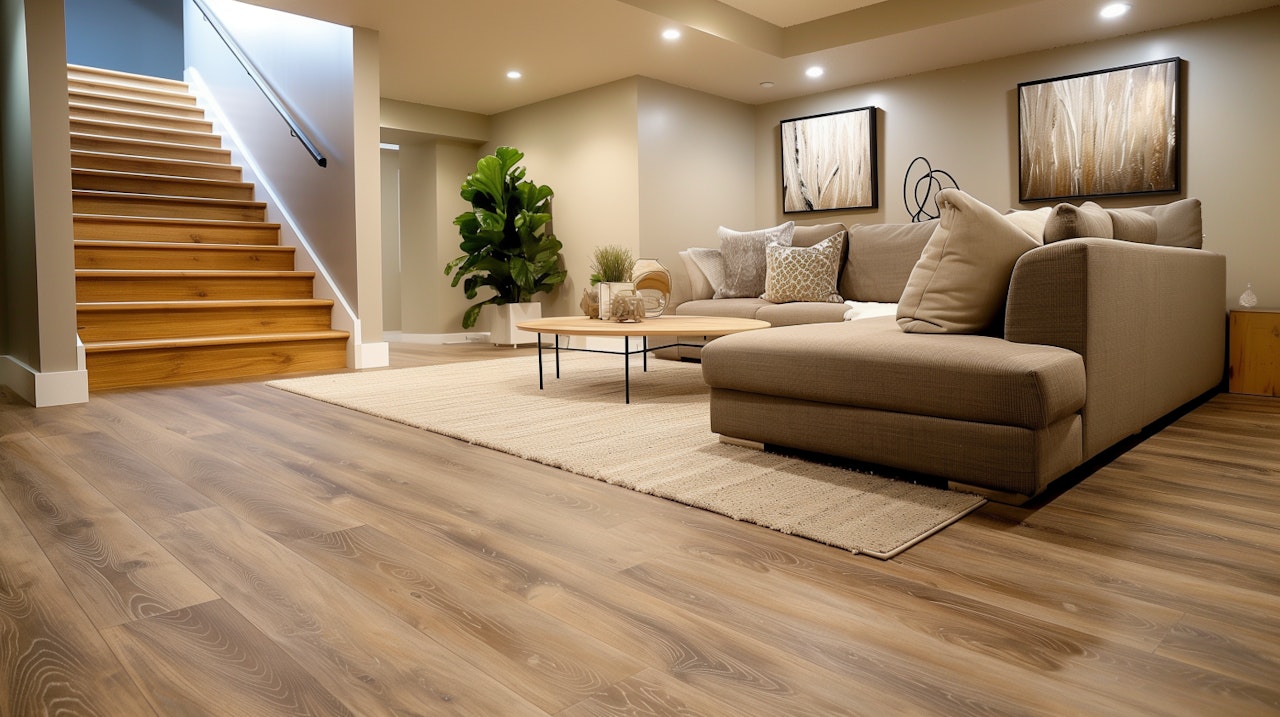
(228, 548)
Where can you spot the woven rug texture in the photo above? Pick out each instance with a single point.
(661, 443)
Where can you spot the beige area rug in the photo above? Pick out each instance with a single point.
(661, 443)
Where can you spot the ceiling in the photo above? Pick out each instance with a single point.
(456, 54)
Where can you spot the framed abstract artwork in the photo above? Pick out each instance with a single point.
(829, 161)
(1100, 133)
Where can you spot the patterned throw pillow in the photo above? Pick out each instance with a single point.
(804, 273)
(743, 255)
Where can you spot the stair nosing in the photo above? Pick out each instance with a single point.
(195, 273)
(174, 221)
(115, 174)
(150, 142)
(214, 340)
(165, 160)
(167, 198)
(181, 246)
(92, 306)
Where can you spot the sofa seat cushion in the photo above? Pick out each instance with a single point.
(872, 364)
(801, 312)
(735, 308)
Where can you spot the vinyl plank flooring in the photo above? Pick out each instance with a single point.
(542, 659)
(52, 659)
(208, 660)
(113, 568)
(371, 661)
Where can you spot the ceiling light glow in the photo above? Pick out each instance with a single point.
(514, 75)
(1115, 9)
(814, 71)
(671, 34)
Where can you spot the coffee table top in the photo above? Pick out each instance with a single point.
(673, 325)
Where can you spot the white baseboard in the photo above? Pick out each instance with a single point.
(42, 389)
(472, 337)
(370, 355)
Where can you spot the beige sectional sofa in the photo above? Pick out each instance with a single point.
(1093, 339)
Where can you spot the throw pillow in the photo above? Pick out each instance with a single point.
(804, 273)
(1133, 225)
(1178, 223)
(743, 255)
(699, 286)
(959, 284)
(1030, 221)
(1067, 221)
(711, 264)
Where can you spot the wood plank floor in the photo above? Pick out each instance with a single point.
(232, 549)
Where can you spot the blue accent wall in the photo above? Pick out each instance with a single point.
(139, 36)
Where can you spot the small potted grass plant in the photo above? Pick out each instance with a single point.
(611, 268)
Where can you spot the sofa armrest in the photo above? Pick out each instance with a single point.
(1148, 320)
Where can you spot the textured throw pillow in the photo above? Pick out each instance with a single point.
(1067, 221)
(1177, 223)
(1133, 225)
(699, 286)
(961, 279)
(1030, 221)
(804, 273)
(711, 265)
(743, 255)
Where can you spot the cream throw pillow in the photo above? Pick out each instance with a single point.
(699, 286)
(743, 255)
(1068, 221)
(804, 273)
(711, 265)
(961, 279)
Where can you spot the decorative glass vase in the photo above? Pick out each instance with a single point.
(608, 290)
(1248, 299)
(653, 282)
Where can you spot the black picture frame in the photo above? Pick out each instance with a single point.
(829, 161)
(1110, 132)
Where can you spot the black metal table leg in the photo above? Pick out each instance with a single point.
(626, 366)
(557, 355)
(645, 345)
(539, 360)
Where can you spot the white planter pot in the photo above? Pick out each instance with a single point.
(503, 320)
(608, 290)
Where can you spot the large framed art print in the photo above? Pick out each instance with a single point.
(1101, 133)
(829, 161)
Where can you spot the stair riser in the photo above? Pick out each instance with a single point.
(166, 167)
(146, 185)
(132, 105)
(130, 206)
(150, 134)
(140, 118)
(134, 324)
(138, 148)
(92, 228)
(116, 369)
(102, 289)
(197, 258)
(150, 94)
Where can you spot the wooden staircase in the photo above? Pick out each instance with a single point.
(178, 275)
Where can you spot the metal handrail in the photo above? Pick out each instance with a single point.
(294, 128)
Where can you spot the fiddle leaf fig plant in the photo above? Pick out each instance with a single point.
(505, 242)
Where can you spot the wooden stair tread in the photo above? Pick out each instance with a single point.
(191, 274)
(150, 143)
(172, 221)
(183, 246)
(199, 305)
(165, 198)
(197, 181)
(121, 75)
(119, 130)
(132, 92)
(140, 344)
(138, 117)
(105, 100)
(192, 168)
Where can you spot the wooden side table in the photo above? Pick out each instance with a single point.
(1254, 352)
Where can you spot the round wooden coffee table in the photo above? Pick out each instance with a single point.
(658, 327)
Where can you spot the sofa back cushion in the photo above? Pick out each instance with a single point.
(959, 284)
(1177, 223)
(880, 258)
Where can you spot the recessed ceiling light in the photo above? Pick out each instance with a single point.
(671, 34)
(766, 84)
(1115, 9)
(514, 75)
(814, 71)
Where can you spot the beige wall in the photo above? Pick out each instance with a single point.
(585, 147)
(367, 169)
(964, 120)
(390, 171)
(696, 169)
(38, 350)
